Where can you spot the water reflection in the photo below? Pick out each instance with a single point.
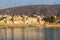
(31, 34)
(49, 34)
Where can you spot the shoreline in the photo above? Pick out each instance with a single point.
(4, 25)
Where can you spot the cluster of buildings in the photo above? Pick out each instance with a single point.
(17, 19)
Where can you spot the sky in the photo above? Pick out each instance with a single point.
(12, 3)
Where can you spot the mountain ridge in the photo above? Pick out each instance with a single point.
(30, 10)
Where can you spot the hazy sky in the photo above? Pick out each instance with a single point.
(12, 3)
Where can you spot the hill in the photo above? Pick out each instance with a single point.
(30, 10)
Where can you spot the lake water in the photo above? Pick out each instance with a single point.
(30, 34)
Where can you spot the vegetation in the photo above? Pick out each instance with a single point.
(58, 17)
(1, 19)
(50, 19)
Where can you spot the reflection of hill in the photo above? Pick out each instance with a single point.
(34, 9)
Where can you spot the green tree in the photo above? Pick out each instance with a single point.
(1, 19)
(50, 19)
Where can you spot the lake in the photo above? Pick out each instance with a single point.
(30, 34)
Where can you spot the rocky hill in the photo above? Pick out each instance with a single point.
(30, 10)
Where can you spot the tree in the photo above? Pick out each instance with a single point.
(1, 19)
(50, 19)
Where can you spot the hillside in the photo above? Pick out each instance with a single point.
(30, 10)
